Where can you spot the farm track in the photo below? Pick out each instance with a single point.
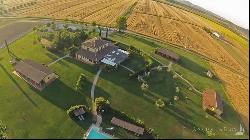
(15, 30)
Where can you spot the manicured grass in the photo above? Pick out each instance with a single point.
(32, 114)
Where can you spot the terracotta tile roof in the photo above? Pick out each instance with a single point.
(96, 56)
(95, 42)
(211, 98)
(35, 71)
(128, 126)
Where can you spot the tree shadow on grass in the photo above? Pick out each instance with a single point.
(146, 41)
(90, 68)
(192, 66)
(18, 86)
(162, 84)
(99, 92)
(63, 96)
(183, 118)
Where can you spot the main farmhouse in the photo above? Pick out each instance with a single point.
(97, 50)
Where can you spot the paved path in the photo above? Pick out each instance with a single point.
(67, 55)
(94, 84)
(98, 120)
(196, 90)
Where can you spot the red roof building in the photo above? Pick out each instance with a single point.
(211, 101)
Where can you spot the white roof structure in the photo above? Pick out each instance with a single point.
(115, 57)
(216, 34)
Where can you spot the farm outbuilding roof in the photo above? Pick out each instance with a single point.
(128, 126)
(210, 98)
(168, 53)
(33, 70)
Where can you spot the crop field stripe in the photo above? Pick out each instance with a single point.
(193, 52)
(69, 11)
(196, 36)
(176, 19)
(200, 15)
(109, 15)
(102, 8)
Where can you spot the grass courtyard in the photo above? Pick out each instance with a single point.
(32, 114)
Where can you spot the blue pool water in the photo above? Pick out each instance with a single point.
(95, 134)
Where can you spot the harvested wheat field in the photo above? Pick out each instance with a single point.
(237, 89)
(104, 12)
(179, 27)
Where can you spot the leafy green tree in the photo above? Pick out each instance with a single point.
(53, 26)
(100, 31)
(160, 103)
(177, 89)
(176, 98)
(76, 38)
(65, 40)
(107, 32)
(65, 26)
(48, 24)
(144, 87)
(121, 23)
(55, 43)
(101, 104)
(83, 35)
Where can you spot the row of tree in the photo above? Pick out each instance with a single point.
(62, 38)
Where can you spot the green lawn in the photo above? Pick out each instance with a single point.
(32, 114)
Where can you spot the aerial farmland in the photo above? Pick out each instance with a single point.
(210, 56)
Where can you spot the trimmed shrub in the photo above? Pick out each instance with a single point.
(80, 83)
(101, 104)
(72, 108)
(160, 103)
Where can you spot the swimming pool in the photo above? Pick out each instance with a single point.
(94, 133)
